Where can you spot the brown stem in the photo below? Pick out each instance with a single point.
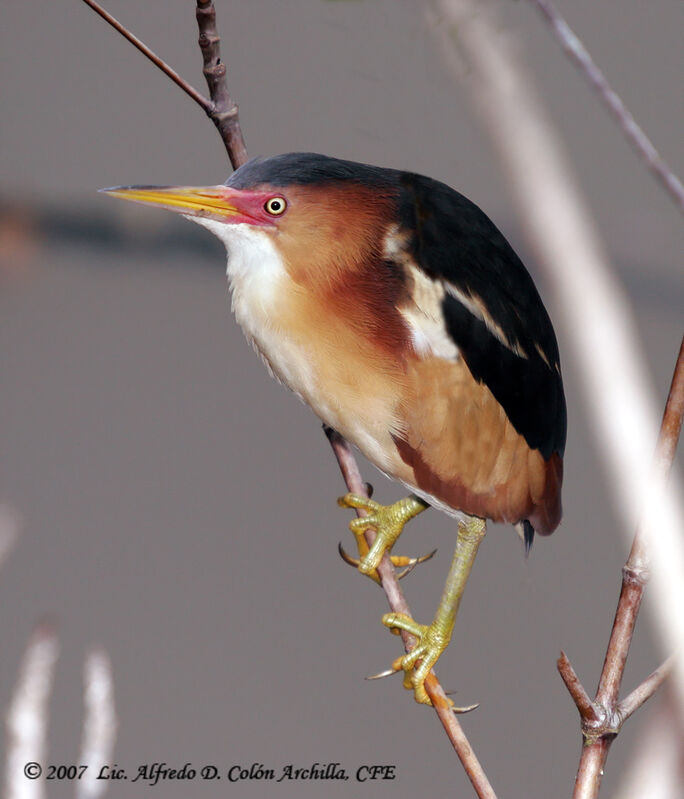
(638, 138)
(200, 99)
(590, 771)
(219, 107)
(598, 737)
(397, 602)
(224, 111)
(586, 707)
(645, 691)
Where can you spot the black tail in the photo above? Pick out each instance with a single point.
(528, 536)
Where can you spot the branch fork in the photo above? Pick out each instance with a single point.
(602, 718)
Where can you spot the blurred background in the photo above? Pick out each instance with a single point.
(178, 507)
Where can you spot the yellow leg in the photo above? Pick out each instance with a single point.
(433, 639)
(388, 521)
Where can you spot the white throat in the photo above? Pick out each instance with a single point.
(259, 282)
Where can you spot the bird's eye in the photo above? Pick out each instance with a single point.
(275, 206)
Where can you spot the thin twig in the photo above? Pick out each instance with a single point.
(397, 602)
(200, 99)
(645, 691)
(224, 113)
(577, 691)
(219, 106)
(572, 45)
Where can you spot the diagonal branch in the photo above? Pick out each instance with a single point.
(587, 709)
(223, 111)
(397, 602)
(645, 691)
(628, 125)
(220, 108)
(200, 99)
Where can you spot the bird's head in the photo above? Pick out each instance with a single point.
(323, 215)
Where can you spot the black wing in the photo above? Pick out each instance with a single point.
(491, 307)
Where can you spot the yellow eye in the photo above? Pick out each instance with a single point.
(275, 206)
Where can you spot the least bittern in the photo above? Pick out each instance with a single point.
(398, 312)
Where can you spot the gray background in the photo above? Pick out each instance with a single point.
(178, 506)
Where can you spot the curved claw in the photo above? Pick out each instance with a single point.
(380, 675)
(397, 560)
(413, 562)
(459, 711)
(346, 557)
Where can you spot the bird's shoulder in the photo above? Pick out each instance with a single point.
(472, 297)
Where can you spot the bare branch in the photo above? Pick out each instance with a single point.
(586, 707)
(572, 45)
(646, 690)
(224, 112)
(200, 99)
(397, 602)
(221, 108)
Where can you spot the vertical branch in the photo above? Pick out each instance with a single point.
(224, 111)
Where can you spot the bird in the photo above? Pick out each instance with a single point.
(395, 308)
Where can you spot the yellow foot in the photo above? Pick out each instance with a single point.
(388, 521)
(431, 641)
